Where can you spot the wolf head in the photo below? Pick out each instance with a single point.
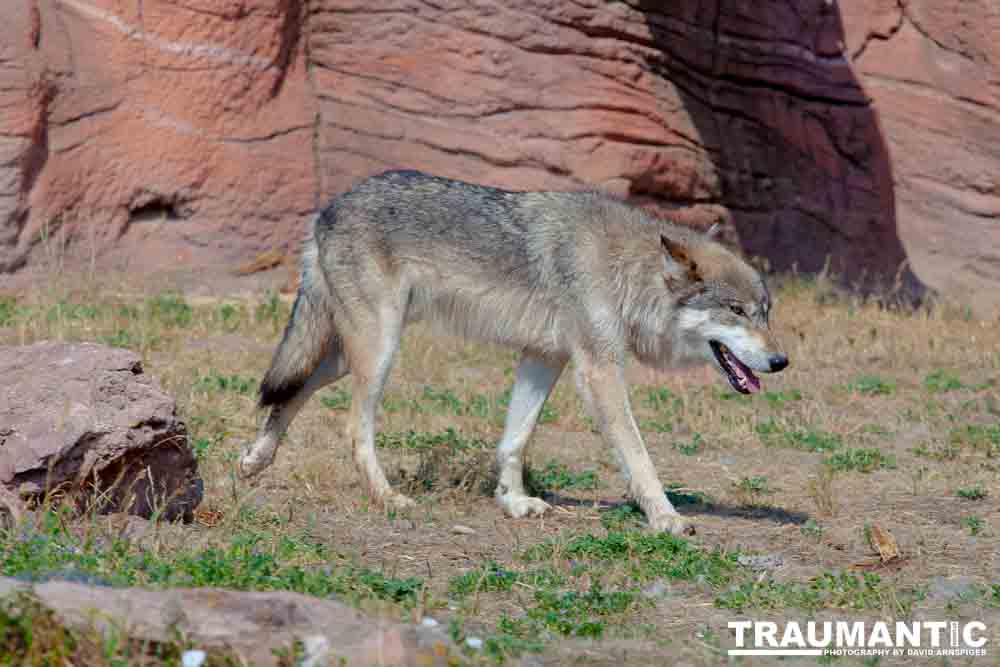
(722, 311)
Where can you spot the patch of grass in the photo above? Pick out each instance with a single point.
(812, 529)
(337, 399)
(272, 311)
(580, 614)
(690, 448)
(860, 460)
(661, 398)
(170, 310)
(655, 425)
(557, 476)
(871, 385)
(645, 556)
(751, 490)
(8, 311)
(974, 524)
(447, 460)
(120, 338)
(622, 517)
(773, 433)
(985, 437)
(449, 439)
(203, 446)
(65, 310)
(944, 452)
(942, 381)
(249, 561)
(829, 590)
(974, 492)
(779, 398)
(215, 382)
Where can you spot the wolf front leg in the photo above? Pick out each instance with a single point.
(534, 382)
(603, 389)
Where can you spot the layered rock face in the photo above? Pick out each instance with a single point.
(856, 134)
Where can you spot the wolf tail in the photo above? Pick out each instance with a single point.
(310, 336)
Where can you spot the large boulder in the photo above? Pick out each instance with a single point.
(85, 419)
(256, 626)
(226, 123)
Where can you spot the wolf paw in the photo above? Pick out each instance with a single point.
(252, 463)
(674, 524)
(521, 506)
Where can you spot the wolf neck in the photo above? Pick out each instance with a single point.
(648, 307)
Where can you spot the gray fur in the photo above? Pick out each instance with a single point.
(561, 276)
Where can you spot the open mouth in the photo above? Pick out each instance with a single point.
(741, 377)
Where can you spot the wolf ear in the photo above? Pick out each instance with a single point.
(680, 265)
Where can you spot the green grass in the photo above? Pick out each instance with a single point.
(753, 488)
(449, 439)
(337, 398)
(690, 448)
(871, 385)
(774, 433)
(780, 398)
(215, 382)
(829, 590)
(942, 381)
(591, 586)
(974, 492)
(974, 524)
(8, 311)
(812, 530)
(248, 561)
(860, 460)
(984, 437)
(555, 476)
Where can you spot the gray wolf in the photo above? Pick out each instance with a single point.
(561, 276)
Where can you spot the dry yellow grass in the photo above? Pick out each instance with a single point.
(885, 415)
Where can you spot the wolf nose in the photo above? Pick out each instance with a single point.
(778, 362)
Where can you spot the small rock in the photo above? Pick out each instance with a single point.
(315, 648)
(657, 589)
(462, 530)
(429, 622)
(945, 589)
(80, 411)
(474, 642)
(761, 561)
(727, 460)
(193, 658)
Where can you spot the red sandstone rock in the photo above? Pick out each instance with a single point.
(856, 133)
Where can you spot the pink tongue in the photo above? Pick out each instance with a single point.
(750, 380)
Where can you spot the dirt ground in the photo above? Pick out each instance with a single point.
(885, 419)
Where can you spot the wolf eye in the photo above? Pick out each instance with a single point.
(738, 310)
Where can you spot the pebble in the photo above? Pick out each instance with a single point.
(193, 658)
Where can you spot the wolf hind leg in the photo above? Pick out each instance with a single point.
(260, 454)
(371, 358)
(534, 382)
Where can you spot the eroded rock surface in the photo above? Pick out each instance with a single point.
(858, 135)
(85, 419)
(256, 626)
